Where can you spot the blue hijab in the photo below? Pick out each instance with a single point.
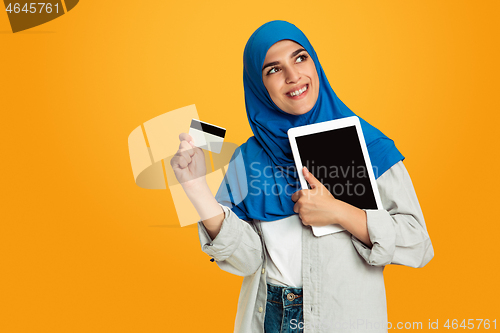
(261, 176)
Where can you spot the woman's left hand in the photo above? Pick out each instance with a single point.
(317, 206)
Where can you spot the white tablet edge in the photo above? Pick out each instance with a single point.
(322, 127)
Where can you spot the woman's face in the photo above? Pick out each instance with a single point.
(290, 77)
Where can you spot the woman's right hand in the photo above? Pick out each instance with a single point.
(190, 170)
(189, 163)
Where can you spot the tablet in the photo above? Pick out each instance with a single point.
(335, 153)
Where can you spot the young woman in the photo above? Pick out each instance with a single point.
(259, 228)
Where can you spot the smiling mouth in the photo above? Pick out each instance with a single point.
(298, 92)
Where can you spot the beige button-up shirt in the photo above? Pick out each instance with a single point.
(343, 284)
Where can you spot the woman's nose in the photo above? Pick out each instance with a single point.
(292, 76)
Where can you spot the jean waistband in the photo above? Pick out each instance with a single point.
(288, 296)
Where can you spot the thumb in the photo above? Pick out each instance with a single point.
(310, 178)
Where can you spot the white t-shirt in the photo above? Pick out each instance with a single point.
(284, 246)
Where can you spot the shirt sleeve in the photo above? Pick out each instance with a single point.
(398, 233)
(237, 248)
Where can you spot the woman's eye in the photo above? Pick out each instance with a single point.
(301, 58)
(273, 70)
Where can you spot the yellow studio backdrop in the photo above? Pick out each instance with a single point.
(83, 249)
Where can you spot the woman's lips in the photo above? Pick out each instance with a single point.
(301, 95)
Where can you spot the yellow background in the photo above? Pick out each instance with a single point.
(83, 249)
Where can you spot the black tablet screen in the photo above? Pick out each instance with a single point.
(335, 158)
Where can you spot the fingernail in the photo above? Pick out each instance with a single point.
(307, 171)
(192, 143)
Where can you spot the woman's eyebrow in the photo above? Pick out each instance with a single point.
(294, 53)
(270, 64)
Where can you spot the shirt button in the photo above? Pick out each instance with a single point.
(263, 270)
(261, 309)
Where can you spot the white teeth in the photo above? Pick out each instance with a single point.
(298, 92)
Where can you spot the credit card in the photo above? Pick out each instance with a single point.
(207, 136)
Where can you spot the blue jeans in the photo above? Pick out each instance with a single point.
(283, 310)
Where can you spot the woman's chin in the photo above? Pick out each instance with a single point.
(298, 112)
